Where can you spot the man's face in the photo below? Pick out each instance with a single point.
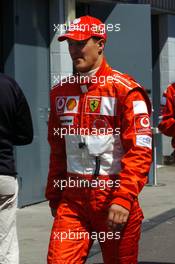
(86, 55)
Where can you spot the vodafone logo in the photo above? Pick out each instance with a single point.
(144, 122)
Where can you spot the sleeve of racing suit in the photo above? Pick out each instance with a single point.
(167, 125)
(136, 139)
(57, 165)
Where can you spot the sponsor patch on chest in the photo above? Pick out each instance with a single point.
(67, 120)
(67, 104)
(101, 105)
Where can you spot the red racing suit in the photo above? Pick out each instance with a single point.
(167, 124)
(121, 109)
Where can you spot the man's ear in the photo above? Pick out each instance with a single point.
(101, 43)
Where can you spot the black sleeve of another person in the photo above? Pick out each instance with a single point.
(23, 128)
(16, 119)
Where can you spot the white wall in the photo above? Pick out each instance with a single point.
(60, 61)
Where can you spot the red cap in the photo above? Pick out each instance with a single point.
(83, 28)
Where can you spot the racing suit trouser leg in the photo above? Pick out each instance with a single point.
(82, 212)
(70, 241)
(125, 249)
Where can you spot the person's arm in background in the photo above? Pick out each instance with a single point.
(16, 123)
(167, 125)
(23, 127)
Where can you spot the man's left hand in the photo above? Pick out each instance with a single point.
(117, 217)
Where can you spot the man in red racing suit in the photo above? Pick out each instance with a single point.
(167, 124)
(99, 132)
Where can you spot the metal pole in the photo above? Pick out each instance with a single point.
(154, 161)
(153, 171)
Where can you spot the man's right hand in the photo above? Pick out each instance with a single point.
(53, 211)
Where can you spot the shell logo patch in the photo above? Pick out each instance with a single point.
(66, 104)
(71, 104)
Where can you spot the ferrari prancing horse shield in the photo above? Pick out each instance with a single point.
(93, 104)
